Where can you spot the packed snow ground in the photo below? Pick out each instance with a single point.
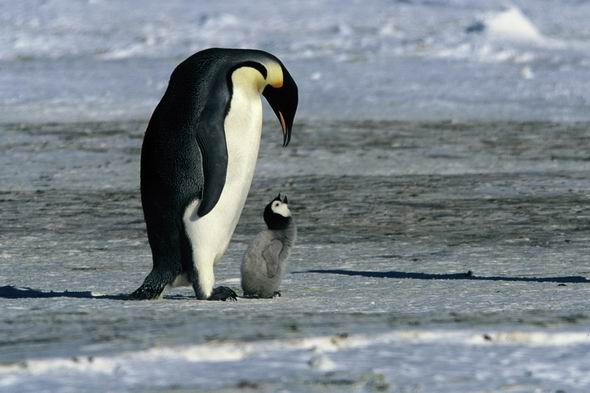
(431, 257)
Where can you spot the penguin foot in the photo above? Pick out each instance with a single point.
(153, 286)
(223, 294)
(144, 293)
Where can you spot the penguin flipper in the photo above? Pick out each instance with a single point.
(212, 144)
(271, 256)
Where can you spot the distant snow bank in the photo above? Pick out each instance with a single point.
(189, 363)
(511, 25)
(351, 33)
(449, 59)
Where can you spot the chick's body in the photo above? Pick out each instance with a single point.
(266, 259)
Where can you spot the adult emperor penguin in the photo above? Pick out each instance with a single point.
(198, 158)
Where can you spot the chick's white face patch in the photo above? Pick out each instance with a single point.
(281, 209)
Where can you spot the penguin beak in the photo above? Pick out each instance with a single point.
(285, 200)
(283, 101)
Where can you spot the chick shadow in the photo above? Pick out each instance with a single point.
(447, 276)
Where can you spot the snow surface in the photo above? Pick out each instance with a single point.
(431, 257)
(515, 361)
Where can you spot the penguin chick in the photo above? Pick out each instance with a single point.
(265, 261)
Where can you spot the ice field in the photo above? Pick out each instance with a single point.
(438, 175)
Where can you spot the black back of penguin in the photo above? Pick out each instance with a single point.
(171, 161)
(265, 261)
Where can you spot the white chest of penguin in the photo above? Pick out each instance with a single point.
(243, 127)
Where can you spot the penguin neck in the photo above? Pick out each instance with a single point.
(249, 79)
(276, 222)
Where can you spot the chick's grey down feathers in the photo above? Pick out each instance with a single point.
(265, 262)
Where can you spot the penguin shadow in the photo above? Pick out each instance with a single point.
(447, 276)
(12, 292)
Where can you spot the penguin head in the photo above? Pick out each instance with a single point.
(282, 95)
(264, 70)
(278, 87)
(277, 214)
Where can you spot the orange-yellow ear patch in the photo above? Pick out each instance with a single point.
(274, 76)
